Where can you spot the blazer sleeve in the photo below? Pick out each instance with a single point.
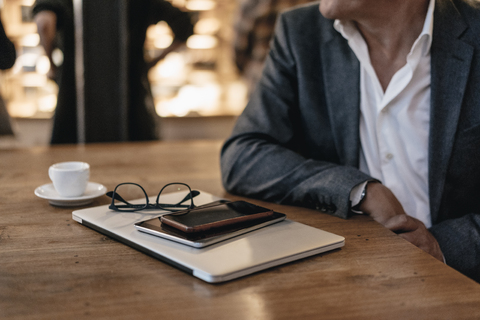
(260, 159)
(459, 240)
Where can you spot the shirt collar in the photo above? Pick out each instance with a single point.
(427, 30)
(348, 30)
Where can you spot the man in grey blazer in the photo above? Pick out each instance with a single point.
(345, 85)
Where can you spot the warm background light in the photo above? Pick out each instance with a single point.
(28, 60)
(47, 103)
(30, 40)
(201, 100)
(57, 57)
(34, 80)
(171, 67)
(207, 26)
(163, 41)
(202, 42)
(200, 5)
(43, 65)
(22, 109)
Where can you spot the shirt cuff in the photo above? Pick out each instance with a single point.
(356, 195)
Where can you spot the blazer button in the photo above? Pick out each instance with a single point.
(321, 205)
(331, 208)
(323, 208)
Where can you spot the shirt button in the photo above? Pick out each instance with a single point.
(389, 156)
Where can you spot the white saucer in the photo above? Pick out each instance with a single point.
(47, 191)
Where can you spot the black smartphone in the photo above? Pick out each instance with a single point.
(222, 215)
(203, 239)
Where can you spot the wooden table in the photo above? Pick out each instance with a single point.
(54, 268)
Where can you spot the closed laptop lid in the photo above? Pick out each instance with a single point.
(264, 248)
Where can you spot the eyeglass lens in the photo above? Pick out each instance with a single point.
(175, 196)
(128, 193)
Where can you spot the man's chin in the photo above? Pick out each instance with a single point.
(327, 9)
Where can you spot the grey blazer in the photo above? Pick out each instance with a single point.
(297, 141)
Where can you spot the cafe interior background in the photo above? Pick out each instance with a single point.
(197, 92)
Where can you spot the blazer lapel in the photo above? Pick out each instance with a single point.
(450, 65)
(341, 72)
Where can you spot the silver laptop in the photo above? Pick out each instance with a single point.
(239, 256)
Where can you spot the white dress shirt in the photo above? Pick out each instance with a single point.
(394, 124)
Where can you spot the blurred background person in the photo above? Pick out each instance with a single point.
(54, 19)
(7, 60)
(55, 25)
(254, 25)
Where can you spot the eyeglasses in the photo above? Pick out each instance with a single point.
(173, 197)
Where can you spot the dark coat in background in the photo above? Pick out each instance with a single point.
(7, 60)
(141, 111)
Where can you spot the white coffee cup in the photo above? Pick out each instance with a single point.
(70, 179)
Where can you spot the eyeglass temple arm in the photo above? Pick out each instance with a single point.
(189, 196)
(117, 197)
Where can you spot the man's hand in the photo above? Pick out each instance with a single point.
(414, 231)
(47, 28)
(382, 205)
(174, 46)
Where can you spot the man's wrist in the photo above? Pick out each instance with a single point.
(357, 196)
(356, 207)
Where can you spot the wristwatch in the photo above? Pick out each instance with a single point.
(362, 197)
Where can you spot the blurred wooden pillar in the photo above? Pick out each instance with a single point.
(101, 40)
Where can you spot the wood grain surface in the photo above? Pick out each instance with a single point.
(54, 268)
